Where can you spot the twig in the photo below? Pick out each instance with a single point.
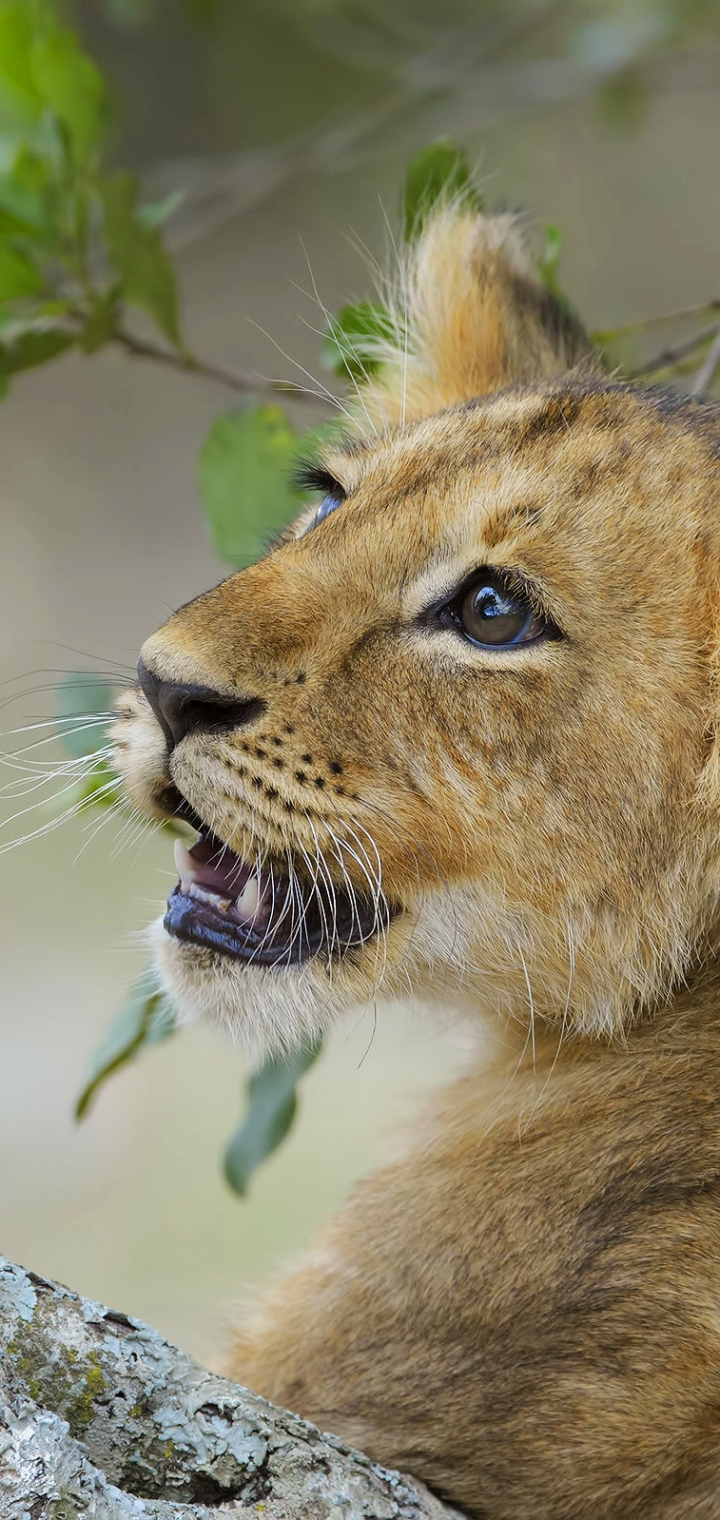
(706, 372)
(671, 356)
(682, 313)
(444, 78)
(243, 385)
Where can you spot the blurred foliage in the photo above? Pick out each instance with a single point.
(271, 1109)
(441, 171)
(77, 249)
(245, 475)
(264, 70)
(81, 253)
(146, 1018)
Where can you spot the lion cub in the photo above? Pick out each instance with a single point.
(456, 734)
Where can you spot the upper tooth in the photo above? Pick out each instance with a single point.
(184, 863)
(249, 900)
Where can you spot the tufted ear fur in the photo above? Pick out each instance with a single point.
(472, 315)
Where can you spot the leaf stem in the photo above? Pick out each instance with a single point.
(244, 385)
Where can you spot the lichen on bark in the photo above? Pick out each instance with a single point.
(101, 1417)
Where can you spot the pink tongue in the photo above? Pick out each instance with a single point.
(218, 868)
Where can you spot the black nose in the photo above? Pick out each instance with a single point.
(180, 710)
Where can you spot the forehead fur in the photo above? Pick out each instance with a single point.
(582, 444)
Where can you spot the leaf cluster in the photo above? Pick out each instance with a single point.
(77, 246)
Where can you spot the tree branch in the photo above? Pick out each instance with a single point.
(101, 1417)
(245, 385)
(670, 357)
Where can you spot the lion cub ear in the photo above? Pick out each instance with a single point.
(473, 316)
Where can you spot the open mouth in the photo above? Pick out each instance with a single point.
(263, 914)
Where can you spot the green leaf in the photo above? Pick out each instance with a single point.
(623, 99)
(549, 261)
(37, 345)
(69, 83)
(441, 172)
(310, 444)
(31, 175)
(20, 201)
(356, 340)
(244, 473)
(154, 213)
(272, 1104)
(82, 696)
(136, 250)
(18, 276)
(100, 325)
(18, 89)
(146, 1018)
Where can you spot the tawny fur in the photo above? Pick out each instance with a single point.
(524, 1309)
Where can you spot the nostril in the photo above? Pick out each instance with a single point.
(183, 709)
(150, 686)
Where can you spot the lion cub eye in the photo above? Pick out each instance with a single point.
(326, 506)
(313, 477)
(496, 616)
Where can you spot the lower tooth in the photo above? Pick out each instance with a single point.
(212, 898)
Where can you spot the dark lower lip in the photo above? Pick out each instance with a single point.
(199, 923)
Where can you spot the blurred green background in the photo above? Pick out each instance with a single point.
(288, 126)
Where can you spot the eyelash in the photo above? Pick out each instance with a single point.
(312, 477)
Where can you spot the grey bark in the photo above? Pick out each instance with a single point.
(101, 1417)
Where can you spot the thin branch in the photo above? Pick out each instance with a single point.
(669, 357)
(442, 88)
(628, 329)
(244, 385)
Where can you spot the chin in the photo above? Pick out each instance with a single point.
(271, 1009)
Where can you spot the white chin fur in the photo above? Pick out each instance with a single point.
(266, 1009)
(275, 1008)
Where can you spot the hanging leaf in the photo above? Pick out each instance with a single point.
(36, 345)
(441, 172)
(356, 340)
(272, 1105)
(245, 476)
(146, 1018)
(142, 262)
(71, 86)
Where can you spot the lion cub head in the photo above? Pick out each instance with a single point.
(454, 735)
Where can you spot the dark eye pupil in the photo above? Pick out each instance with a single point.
(492, 616)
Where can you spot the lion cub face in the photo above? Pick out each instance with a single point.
(451, 736)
